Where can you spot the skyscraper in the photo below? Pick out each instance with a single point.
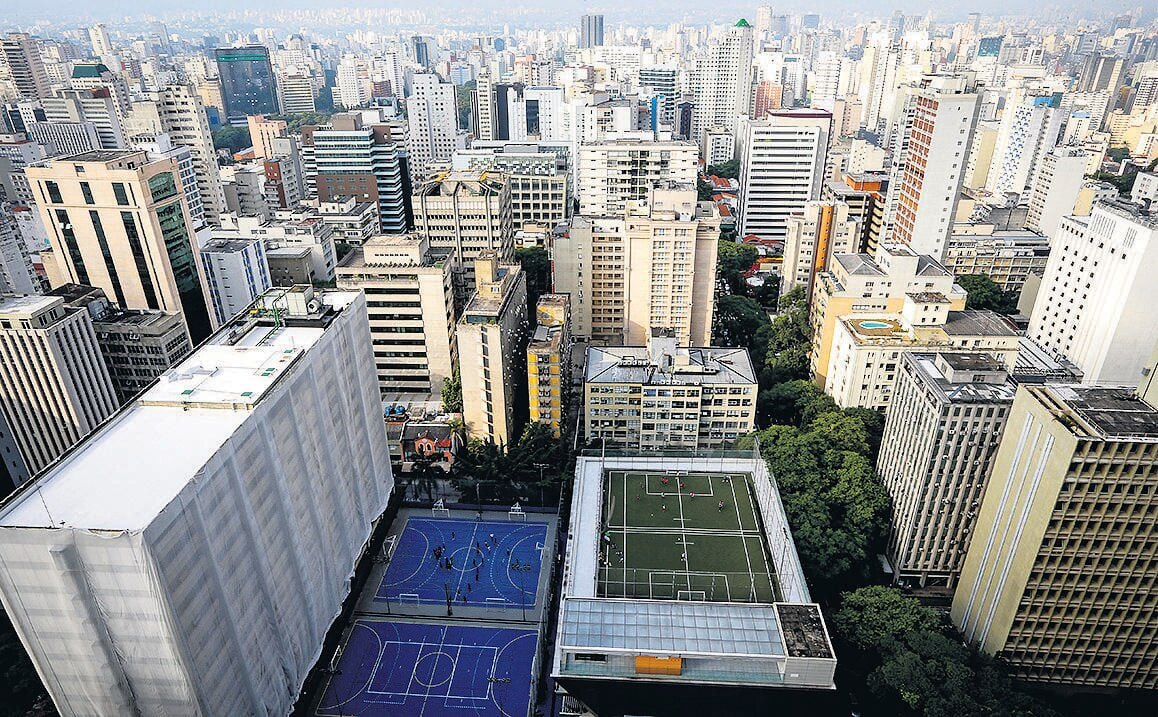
(721, 81)
(1097, 295)
(54, 387)
(931, 153)
(22, 73)
(1057, 579)
(368, 162)
(614, 172)
(232, 502)
(492, 341)
(248, 85)
(432, 114)
(590, 31)
(119, 222)
(782, 160)
(942, 430)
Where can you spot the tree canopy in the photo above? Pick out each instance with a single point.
(232, 138)
(985, 293)
(530, 471)
(536, 264)
(727, 170)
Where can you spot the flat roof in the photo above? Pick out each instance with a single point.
(633, 364)
(124, 473)
(27, 305)
(1110, 412)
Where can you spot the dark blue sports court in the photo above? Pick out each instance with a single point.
(474, 563)
(423, 669)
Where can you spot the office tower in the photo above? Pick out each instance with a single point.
(935, 131)
(663, 82)
(721, 81)
(92, 106)
(682, 127)
(256, 468)
(1055, 189)
(492, 340)
(54, 387)
(549, 361)
(866, 345)
(856, 283)
(296, 92)
(237, 272)
(409, 290)
(353, 82)
(812, 237)
(1029, 130)
(611, 173)
(432, 115)
(1094, 305)
(118, 221)
(653, 266)
(62, 139)
(98, 77)
(369, 162)
(1101, 73)
(22, 73)
(782, 159)
(177, 111)
(590, 31)
(483, 106)
(248, 86)
(1056, 579)
(810, 21)
(663, 395)
(262, 133)
(17, 275)
(942, 429)
(102, 44)
(421, 49)
(1008, 256)
(138, 346)
(469, 213)
(539, 175)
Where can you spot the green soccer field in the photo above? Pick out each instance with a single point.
(668, 537)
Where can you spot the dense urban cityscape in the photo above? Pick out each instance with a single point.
(578, 361)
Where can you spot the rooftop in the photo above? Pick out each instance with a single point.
(16, 306)
(1106, 413)
(171, 430)
(634, 364)
(931, 366)
(228, 246)
(974, 322)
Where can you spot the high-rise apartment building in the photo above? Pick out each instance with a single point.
(248, 85)
(859, 283)
(539, 175)
(1030, 128)
(368, 162)
(22, 74)
(1057, 579)
(87, 106)
(1095, 302)
(549, 361)
(432, 114)
(782, 159)
(590, 31)
(177, 110)
(237, 272)
(409, 290)
(54, 387)
(468, 213)
(812, 237)
(651, 267)
(1008, 257)
(118, 221)
(934, 134)
(262, 133)
(1055, 188)
(138, 346)
(721, 81)
(483, 106)
(942, 429)
(614, 172)
(662, 395)
(492, 340)
(257, 464)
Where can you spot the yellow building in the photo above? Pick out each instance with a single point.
(863, 284)
(549, 361)
(1060, 573)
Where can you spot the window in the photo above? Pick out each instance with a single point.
(162, 187)
(86, 190)
(53, 190)
(121, 194)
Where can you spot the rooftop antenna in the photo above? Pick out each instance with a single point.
(40, 494)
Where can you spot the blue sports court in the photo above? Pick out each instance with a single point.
(474, 563)
(404, 669)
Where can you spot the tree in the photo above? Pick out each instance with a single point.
(931, 676)
(875, 617)
(737, 321)
(732, 260)
(789, 341)
(452, 393)
(234, 139)
(704, 190)
(462, 97)
(985, 293)
(296, 120)
(536, 264)
(727, 170)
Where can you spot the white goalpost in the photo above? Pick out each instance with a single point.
(439, 509)
(517, 513)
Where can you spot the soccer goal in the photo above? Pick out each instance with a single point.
(517, 513)
(439, 510)
(692, 595)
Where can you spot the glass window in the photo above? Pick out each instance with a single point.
(86, 190)
(162, 187)
(53, 190)
(121, 194)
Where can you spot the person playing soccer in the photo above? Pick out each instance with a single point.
(720, 506)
